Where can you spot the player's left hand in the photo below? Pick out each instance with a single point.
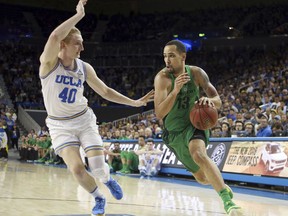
(205, 100)
(80, 7)
(84, 2)
(145, 99)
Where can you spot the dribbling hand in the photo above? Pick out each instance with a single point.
(205, 100)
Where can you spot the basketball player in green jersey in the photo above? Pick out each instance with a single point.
(130, 159)
(176, 91)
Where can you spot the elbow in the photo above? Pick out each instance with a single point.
(158, 114)
(54, 36)
(105, 93)
(219, 104)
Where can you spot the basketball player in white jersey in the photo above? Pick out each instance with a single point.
(149, 159)
(71, 123)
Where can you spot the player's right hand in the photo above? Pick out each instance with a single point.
(145, 99)
(205, 100)
(180, 81)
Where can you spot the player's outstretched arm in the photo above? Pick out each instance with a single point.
(156, 152)
(52, 47)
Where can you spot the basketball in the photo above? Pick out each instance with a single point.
(203, 117)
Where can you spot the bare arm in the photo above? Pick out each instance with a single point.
(156, 152)
(140, 152)
(49, 56)
(202, 79)
(151, 152)
(164, 99)
(110, 94)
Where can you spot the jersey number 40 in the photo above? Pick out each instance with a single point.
(68, 95)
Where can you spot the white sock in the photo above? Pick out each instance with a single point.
(96, 193)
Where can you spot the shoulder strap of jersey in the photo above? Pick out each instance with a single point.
(172, 80)
(81, 66)
(188, 69)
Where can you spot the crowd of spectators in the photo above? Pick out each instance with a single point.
(10, 27)
(252, 21)
(228, 71)
(87, 25)
(19, 66)
(8, 119)
(241, 21)
(31, 146)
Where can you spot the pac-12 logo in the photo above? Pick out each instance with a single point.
(218, 154)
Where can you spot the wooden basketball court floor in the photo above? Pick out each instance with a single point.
(29, 189)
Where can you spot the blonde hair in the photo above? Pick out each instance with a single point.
(74, 30)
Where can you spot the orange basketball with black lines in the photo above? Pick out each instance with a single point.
(203, 117)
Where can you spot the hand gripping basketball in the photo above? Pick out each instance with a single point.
(203, 117)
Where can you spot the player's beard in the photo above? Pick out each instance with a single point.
(174, 71)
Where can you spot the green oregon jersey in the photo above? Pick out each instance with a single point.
(178, 117)
(32, 141)
(47, 143)
(178, 130)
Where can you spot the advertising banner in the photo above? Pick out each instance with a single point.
(168, 159)
(218, 152)
(258, 158)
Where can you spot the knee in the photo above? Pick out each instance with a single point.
(101, 173)
(77, 170)
(199, 157)
(98, 173)
(129, 156)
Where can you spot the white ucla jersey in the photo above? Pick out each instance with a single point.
(3, 138)
(63, 89)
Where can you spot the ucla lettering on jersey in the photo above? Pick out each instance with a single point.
(68, 80)
(63, 89)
